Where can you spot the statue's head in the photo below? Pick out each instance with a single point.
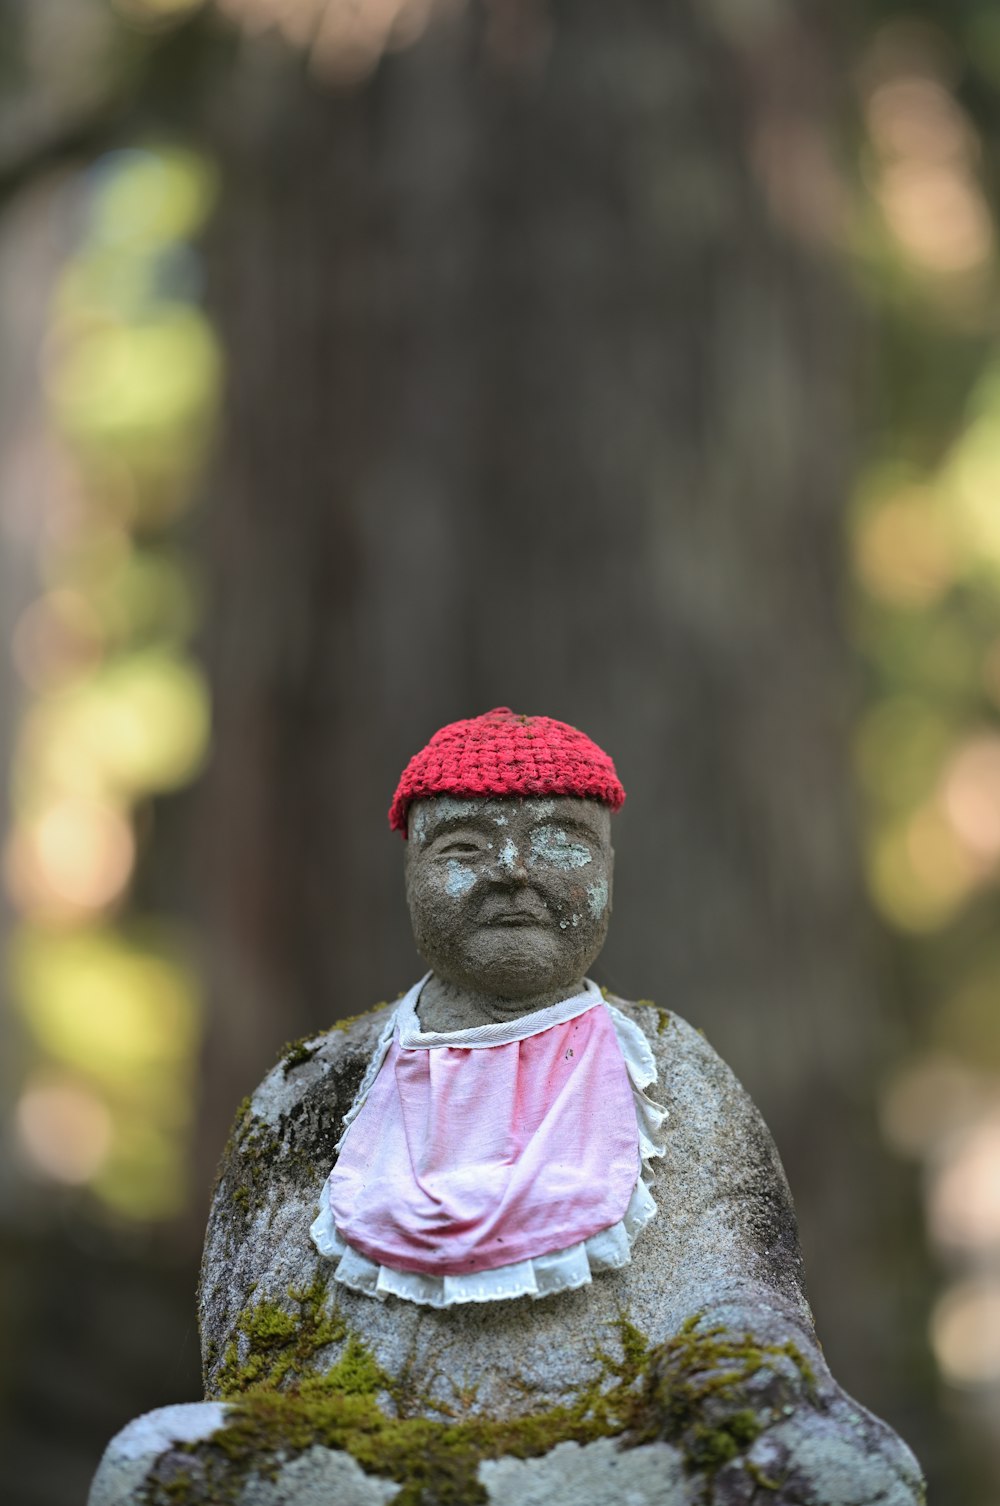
(508, 854)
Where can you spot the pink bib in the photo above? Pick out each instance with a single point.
(464, 1159)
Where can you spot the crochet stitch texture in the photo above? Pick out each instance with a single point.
(502, 753)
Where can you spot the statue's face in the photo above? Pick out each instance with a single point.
(509, 897)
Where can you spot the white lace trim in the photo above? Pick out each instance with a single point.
(562, 1270)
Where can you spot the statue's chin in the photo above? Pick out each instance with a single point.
(516, 964)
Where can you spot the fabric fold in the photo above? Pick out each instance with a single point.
(544, 1271)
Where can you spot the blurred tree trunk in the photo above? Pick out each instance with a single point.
(539, 396)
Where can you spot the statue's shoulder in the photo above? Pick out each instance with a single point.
(357, 1033)
(672, 1038)
(330, 1062)
(690, 1072)
(295, 1116)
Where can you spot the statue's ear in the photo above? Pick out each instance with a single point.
(611, 879)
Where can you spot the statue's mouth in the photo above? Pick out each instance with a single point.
(515, 918)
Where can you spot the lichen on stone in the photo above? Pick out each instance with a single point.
(691, 1391)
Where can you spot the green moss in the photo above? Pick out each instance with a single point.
(663, 1019)
(181, 1489)
(356, 1372)
(698, 1362)
(689, 1391)
(273, 1344)
(297, 1053)
(711, 1447)
(698, 1395)
(246, 1173)
(757, 1475)
(242, 1110)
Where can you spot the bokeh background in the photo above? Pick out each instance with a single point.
(369, 363)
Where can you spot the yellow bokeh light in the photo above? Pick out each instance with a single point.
(965, 1332)
(55, 640)
(138, 726)
(146, 594)
(972, 475)
(927, 1100)
(963, 1206)
(101, 1005)
(64, 1128)
(904, 550)
(147, 721)
(85, 851)
(926, 184)
(914, 115)
(971, 795)
(938, 215)
(919, 872)
(120, 384)
(119, 711)
(148, 197)
(73, 860)
(55, 754)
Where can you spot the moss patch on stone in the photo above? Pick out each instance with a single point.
(246, 1174)
(711, 1393)
(691, 1392)
(297, 1053)
(273, 1344)
(663, 1017)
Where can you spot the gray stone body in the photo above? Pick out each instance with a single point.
(724, 1236)
(691, 1375)
(723, 1246)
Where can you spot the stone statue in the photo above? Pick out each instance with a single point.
(555, 1259)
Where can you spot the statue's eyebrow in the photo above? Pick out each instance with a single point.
(568, 823)
(441, 825)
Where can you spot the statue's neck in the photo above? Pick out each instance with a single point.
(446, 1006)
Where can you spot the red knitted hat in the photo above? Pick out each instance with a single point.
(501, 753)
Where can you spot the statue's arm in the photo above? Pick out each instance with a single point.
(737, 1294)
(272, 1170)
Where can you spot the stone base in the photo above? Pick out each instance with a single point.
(814, 1462)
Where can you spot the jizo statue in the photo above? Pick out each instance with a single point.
(555, 1255)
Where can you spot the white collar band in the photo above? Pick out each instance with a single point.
(494, 1033)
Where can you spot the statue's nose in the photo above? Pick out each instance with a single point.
(511, 862)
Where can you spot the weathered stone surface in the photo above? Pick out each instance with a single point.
(805, 1459)
(592, 1474)
(725, 1226)
(317, 1477)
(717, 1368)
(693, 1375)
(127, 1458)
